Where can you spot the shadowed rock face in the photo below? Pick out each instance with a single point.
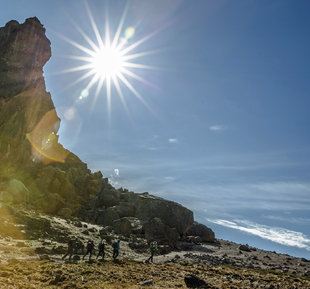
(24, 51)
(152, 217)
(35, 169)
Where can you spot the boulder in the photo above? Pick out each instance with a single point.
(155, 229)
(193, 281)
(109, 216)
(193, 239)
(139, 246)
(127, 226)
(202, 231)
(170, 213)
(245, 248)
(146, 283)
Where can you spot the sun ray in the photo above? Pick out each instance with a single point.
(84, 76)
(120, 26)
(121, 95)
(107, 28)
(136, 93)
(99, 86)
(108, 84)
(135, 65)
(137, 77)
(82, 58)
(77, 68)
(138, 55)
(85, 36)
(108, 60)
(94, 26)
(98, 89)
(137, 43)
(92, 82)
(73, 43)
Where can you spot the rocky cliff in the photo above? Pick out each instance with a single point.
(35, 169)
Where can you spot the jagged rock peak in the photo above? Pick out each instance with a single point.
(24, 50)
(29, 21)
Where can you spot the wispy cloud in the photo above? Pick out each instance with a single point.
(116, 172)
(217, 127)
(173, 140)
(275, 234)
(169, 178)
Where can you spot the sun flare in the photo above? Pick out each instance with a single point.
(109, 61)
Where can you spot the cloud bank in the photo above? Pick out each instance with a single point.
(275, 234)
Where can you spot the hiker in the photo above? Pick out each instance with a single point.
(78, 247)
(89, 248)
(153, 249)
(101, 246)
(116, 248)
(69, 250)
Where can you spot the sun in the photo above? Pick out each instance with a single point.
(109, 61)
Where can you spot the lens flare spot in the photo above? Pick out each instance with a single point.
(130, 32)
(44, 140)
(84, 94)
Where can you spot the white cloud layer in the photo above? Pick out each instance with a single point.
(275, 234)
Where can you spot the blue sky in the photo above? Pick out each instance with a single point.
(225, 130)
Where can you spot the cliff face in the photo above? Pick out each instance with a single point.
(35, 169)
(24, 50)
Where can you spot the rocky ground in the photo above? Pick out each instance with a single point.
(31, 247)
(133, 274)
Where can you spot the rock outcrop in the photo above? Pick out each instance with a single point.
(202, 231)
(35, 169)
(142, 214)
(38, 172)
